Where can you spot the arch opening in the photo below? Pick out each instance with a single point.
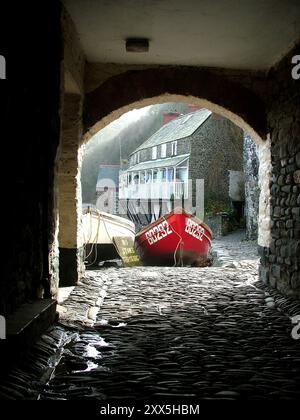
(262, 146)
(165, 98)
(137, 89)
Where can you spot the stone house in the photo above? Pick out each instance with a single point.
(197, 146)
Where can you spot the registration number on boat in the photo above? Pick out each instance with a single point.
(158, 232)
(194, 229)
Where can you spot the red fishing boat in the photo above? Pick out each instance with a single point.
(177, 238)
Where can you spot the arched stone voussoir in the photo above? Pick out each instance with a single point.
(216, 91)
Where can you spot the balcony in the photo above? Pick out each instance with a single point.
(154, 191)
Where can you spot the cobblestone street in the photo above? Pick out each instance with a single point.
(142, 333)
(151, 211)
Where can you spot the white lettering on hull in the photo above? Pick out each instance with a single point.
(158, 232)
(193, 229)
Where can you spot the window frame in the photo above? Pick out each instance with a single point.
(154, 152)
(174, 148)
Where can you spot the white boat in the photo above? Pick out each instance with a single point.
(99, 230)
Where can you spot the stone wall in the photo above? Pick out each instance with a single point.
(281, 260)
(69, 163)
(31, 131)
(250, 100)
(73, 57)
(183, 147)
(264, 178)
(70, 238)
(216, 148)
(30, 136)
(145, 154)
(252, 190)
(238, 96)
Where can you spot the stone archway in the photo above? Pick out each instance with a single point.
(137, 89)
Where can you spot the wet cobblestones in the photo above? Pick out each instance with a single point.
(143, 333)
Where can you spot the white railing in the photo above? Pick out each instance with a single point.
(157, 190)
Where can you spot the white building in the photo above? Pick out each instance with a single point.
(159, 168)
(186, 150)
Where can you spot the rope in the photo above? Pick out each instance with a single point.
(94, 243)
(89, 240)
(110, 237)
(180, 242)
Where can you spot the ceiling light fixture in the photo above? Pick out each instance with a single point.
(137, 45)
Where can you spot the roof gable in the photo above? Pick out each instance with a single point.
(177, 129)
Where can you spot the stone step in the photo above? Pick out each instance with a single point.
(25, 325)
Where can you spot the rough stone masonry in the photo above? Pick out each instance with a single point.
(281, 261)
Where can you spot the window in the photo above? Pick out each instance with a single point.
(148, 176)
(182, 174)
(163, 152)
(174, 148)
(154, 152)
(170, 174)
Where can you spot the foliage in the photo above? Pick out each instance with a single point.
(213, 205)
(115, 143)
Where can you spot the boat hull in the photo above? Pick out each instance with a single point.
(100, 227)
(96, 253)
(99, 230)
(177, 238)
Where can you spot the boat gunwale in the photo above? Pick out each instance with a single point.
(171, 213)
(111, 217)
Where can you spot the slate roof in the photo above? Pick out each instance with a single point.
(177, 129)
(159, 163)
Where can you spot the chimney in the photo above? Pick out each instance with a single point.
(170, 116)
(192, 108)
